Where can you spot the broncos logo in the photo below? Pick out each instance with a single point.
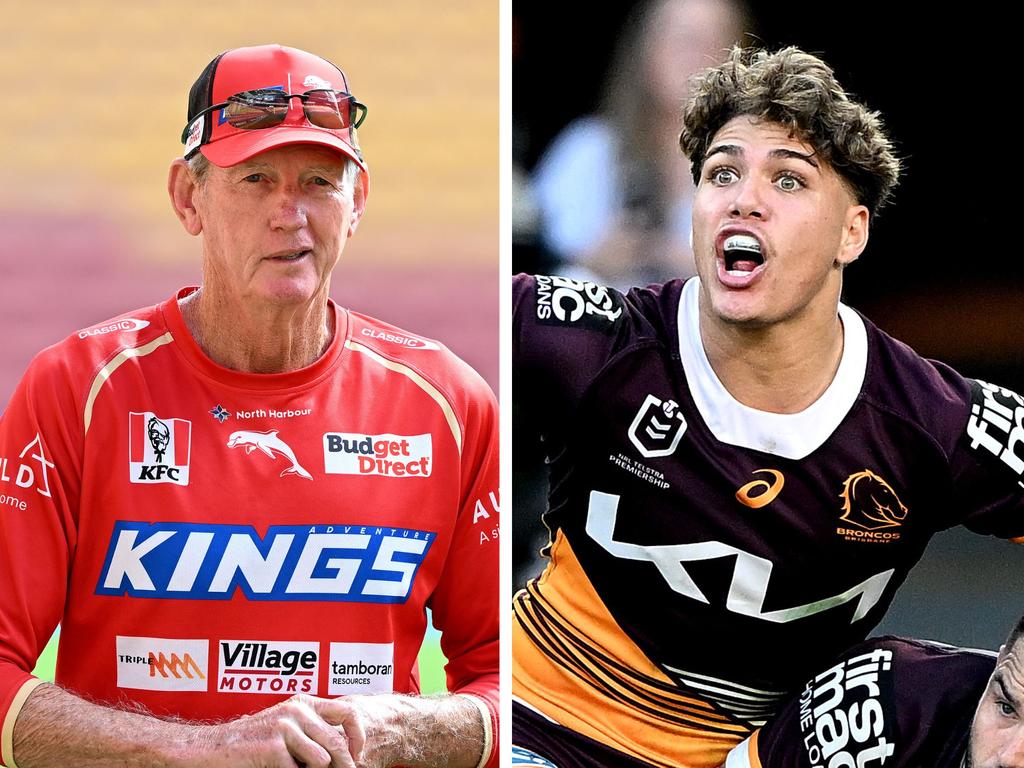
(869, 502)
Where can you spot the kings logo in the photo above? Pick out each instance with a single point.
(159, 449)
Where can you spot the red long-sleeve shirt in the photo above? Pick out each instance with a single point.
(212, 542)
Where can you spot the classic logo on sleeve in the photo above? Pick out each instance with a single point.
(356, 453)
(128, 324)
(261, 666)
(996, 425)
(361, 668)
(162, 664)
(159, 449)
(194, 561)
(561, 301)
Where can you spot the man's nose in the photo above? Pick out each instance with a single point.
(289, 209)
(748, 200)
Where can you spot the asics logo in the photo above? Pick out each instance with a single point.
(760, 493)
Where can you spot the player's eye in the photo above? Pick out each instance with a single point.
(722, 175)
(1005, 708)
(253, 178)
(789, 182)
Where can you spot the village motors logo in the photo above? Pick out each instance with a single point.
(158, 449)
(356, 453)
(259, 666)
(162, 664)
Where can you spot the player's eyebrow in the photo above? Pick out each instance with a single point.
(734, 150)
(1004, 691)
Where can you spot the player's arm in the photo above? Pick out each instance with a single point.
(41, 439)
(461, 729)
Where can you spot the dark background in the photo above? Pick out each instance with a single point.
(942, 270)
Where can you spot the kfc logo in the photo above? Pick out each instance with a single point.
(159, 449)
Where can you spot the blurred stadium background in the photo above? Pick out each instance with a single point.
(98, 102)
(937, 274)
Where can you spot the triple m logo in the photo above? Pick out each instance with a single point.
(158, 449)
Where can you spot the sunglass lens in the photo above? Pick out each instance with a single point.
(256, 109)
(327, 109)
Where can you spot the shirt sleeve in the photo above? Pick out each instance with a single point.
(39, 481)
(987, 464)
(465, 602)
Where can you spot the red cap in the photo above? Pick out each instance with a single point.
(262, 67)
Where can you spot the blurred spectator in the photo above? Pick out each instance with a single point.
(613, 188)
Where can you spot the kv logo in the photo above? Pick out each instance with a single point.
(750, 578)
(159, 449)
(657, 427)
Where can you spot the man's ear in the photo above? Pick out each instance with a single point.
(358, 202)
(183, 189)
(854, 240)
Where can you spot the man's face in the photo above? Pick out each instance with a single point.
(772, 225)
(275, 225)
(997, 733)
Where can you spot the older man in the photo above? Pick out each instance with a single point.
(238, 503)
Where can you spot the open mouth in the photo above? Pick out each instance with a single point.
(742, 255)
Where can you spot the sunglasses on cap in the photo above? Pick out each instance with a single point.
(266, 108)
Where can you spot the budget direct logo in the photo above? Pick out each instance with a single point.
(162, 664)
(159, 449)
(128, 324)
(261, 666)
(356, 453)
(196, 561)
(361, 668)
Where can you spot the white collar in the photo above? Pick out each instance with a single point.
(790, 435)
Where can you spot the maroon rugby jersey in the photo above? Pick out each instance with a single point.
(889, 701)
(707, 557)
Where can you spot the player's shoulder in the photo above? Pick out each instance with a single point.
(408, 352)
(84, 353)
(595, 313)
(925, 392)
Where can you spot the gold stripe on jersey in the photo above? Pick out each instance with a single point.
(7, 732)
(122, 357)
(419, 381)
(573, 663)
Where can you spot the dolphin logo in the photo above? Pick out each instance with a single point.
(270, 444)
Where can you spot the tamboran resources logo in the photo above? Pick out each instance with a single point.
(361, 668)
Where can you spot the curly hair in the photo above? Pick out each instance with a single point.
(799, 91)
